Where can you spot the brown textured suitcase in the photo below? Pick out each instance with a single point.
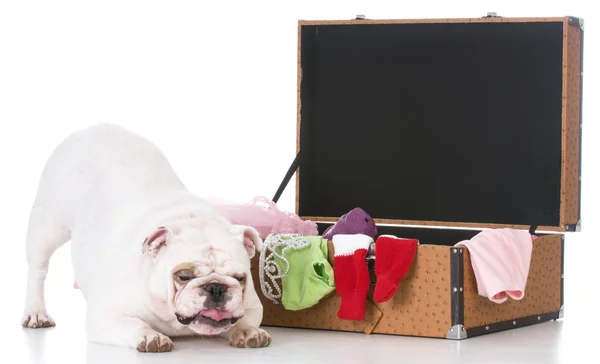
(438, 129)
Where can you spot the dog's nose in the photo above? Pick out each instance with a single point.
(216, 290)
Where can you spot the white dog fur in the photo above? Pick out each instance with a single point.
(152, 260)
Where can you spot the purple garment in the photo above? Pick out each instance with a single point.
(357, 221)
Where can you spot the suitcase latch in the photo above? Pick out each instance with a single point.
(492, 14)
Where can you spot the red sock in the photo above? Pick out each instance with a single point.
(393, 259)
(351, 274)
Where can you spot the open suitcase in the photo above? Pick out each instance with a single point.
(440, 128)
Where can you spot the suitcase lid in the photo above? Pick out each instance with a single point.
(446, 122)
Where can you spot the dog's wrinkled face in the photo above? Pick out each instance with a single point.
(207, 270)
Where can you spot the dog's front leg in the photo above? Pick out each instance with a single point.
(121, 330)
(246, 332)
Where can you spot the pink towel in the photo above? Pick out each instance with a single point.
(500, 260)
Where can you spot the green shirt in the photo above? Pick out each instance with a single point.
(310, 276)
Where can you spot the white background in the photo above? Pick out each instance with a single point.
(213, 84)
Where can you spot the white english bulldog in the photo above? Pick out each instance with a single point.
(152, 260)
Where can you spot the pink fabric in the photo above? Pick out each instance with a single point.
(500, 260)
(264, 215)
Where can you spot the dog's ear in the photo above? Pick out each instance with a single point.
(252, 240)
(158, 239)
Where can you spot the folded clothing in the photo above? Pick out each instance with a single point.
(500, 260)
(356, 221)
(310, 276)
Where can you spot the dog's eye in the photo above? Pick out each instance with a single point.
(184, 276)
(240, 278)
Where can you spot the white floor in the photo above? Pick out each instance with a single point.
(563, 341)
(545, 343)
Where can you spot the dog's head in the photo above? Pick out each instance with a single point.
(202, 269)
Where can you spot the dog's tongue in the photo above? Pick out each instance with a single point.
(216, 314)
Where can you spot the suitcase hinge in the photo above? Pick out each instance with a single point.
(574, 227)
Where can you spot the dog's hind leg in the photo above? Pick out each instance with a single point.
(45, 234)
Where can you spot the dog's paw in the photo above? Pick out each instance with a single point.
(153, 342)
(250, 338)
(37, 320)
